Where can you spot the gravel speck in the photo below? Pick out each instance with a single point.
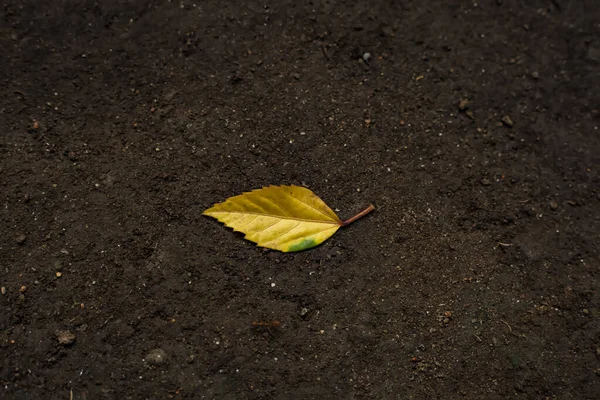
(65, 338)
(156, 357)
(507, 121)
(21, 238)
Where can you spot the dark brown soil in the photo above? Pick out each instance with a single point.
(473, 128)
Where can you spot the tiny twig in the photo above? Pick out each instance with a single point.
(505, 244)
(324, 50)
(359, 215)
(522, 335)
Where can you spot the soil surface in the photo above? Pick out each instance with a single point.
(472, 127)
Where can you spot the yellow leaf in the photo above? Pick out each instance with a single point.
(284, 218)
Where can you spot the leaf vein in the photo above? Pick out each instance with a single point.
(284, 233)
(239, 228)
(310, 205)
(265, 228)
(287, 213)
(318, 221)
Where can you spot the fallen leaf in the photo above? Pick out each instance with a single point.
(284, 218)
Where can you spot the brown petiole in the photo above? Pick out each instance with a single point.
(358, 216)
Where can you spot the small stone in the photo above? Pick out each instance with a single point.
(553, 205)
(21, 238)
(585, 311)
(366, 57)
(35, 125)
(448, 314)
(303, 312)
(3, 290)
(296, 76)
(463, 104)
(65, 338)
(535, 75)
(507, 121)
(22, 289)
(594, 53)
(486, 182)
(58, 274)
(156, 357)
(170, 95)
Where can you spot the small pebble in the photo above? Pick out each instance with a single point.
(553, 205)
(58, 274)
(507, 121)
(21, 238)
(303, 312)
(156, 357)
(3, 290)
(463, 104)
(22, 289)
(366, 57)
(36, 125)
(65, 338)
(296, 76)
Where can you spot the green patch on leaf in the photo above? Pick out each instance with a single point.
(303, 245)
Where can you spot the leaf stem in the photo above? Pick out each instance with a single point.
(359, 215)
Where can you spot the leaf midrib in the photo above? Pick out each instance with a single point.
(318, 221)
